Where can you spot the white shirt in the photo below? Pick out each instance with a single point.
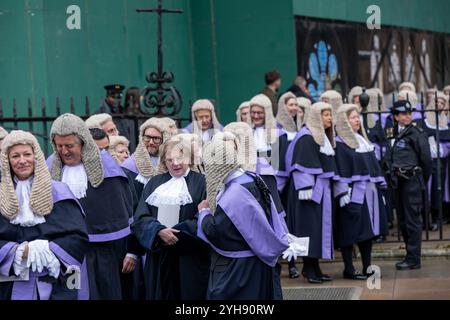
(327, 148)
(207, 135)
(259, 134)
(76, 178)
(290, 135)
(154, 160)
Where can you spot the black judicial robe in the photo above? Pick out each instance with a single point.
(65, 230)
(444, 137)
(109, 211)
(310, 169)
(360, 219)
(237, 272)
(282, 175)
(133, 284)
(179, 271)
(129, 167)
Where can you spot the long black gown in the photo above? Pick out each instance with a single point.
(179, 271)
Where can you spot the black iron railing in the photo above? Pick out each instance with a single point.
(39, 121)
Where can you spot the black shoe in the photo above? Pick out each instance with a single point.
(370, 274)
(405, 265)
(380, 239)
(293, 273)
(356, 275)
(311, 279)
(325, 277)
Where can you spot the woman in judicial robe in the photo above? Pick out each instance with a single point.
(246, 232)
(290, 118)
(360, 178)
(289, 121)
(428, 124)
(266, 137)
(43, 237)
(311, 165)
(165, 224)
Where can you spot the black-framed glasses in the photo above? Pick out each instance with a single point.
(157, 140)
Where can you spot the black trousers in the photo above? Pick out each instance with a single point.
(409, 201)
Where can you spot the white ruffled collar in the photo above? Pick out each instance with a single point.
(26, 216)
(364, 145)
(173, 192)
(76, 178)
(327, 148)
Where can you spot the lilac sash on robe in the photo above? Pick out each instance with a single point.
(130, 164)
(266, 241)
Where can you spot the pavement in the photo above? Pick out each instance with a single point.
(431, 282)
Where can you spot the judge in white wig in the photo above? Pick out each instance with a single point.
(242, 226)
(42, 230)
(118, 148)
(143, 163)
(243, 112)
(360, 175)
(103, 121)
(204, 120)
(165, 224)
(103, 190)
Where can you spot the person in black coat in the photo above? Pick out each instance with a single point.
(409, 164)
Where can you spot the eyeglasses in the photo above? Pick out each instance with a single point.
(257, 113)
(157, 140)
(177, 159)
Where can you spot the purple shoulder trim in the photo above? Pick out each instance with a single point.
(111, 168)
(130, 164)
(61, 192)
(49, 161)
(290, 150)
(188, 128)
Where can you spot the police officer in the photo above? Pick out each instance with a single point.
(112, 104)
(409, 166)
(113, 100)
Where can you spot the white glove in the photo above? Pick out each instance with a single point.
(35, 248)
(289, 253)
(305, 194)
(40, 256)
(345, 200)
(19, 265)
(297, 247)
(54, 267)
